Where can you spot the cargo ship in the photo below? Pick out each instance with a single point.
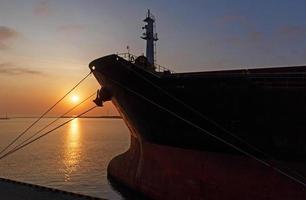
(214, 135)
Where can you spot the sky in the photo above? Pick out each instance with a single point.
(46, 45)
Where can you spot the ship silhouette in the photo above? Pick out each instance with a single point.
(234, 134)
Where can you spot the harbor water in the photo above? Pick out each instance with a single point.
(73, 158)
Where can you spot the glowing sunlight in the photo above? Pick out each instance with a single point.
(73, 150)
(75, 98)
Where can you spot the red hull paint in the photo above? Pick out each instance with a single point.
(162, 172)
(165, 172)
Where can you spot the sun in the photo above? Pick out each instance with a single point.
(75, 98)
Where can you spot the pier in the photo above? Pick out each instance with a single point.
(15, 190)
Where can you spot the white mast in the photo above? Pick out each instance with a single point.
(150, 36)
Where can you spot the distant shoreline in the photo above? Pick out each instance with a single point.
(89, 117)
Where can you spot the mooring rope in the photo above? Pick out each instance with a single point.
(43, 135)
(200, 114)
(63, 115)
(213, 122)
(47, 111)
(250, 155)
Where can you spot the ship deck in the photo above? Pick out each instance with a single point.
(298, 70)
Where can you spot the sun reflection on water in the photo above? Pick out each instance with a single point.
(72, 154)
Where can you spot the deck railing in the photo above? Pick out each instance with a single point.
(131, 58)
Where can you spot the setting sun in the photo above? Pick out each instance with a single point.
(75, 99)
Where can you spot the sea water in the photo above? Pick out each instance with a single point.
(73, 158)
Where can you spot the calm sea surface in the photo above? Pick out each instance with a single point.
(73, 158)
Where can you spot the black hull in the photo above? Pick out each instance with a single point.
(246, 113)
(258, 109)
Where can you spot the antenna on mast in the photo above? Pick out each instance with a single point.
(150, 36)
(128, 50)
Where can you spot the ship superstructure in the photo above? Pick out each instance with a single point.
(150, 36)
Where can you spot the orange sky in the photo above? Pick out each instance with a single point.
(30, 95)
(46, 45)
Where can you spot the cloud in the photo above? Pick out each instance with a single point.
(71, 28)
(6, 35)
(234, 19)
(230, 18)
(247, 34)
(250, 38)
(42, 9)
(255, 36)
(293, 31)
(11, 69)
